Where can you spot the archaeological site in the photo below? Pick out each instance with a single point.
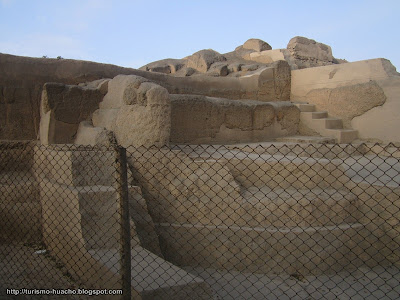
(256, 174)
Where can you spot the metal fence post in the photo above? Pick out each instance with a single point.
(125, 235)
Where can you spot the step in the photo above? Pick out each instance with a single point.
(319, 122)
(305, 107)
(343, 136)
(314, 115)
(329, 123)
(284, 208)
(306, 140)
(304, 250)
(389, 150)
(374, 170)
(154, 277)
(303, 146)
(279, 171)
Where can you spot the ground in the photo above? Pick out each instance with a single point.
(30, 266)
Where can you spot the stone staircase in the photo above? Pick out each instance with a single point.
(321, 123)
(301, 209)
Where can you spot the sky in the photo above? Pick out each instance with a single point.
(134, 33)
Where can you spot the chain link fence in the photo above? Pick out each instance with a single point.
(266, 221)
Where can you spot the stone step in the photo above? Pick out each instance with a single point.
(279, 171)
(315, 114)
(329, 123)
(343, 136)
(306, 140)
(299, 146)
(300, 250)
(330, 127)
(305, 107)
(154, 277)
(384, 172)
(389, 150)
(284, 208)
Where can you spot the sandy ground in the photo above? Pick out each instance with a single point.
(363, 283)
(26, 266)
(29, 267)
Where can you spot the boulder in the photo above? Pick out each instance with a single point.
(235, 67)
(166, 66)
(203, 59)
(184, 72)
(218, 69)
(249, 68)
(256, 45)
(243, 53)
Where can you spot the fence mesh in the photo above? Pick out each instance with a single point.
(257, 221)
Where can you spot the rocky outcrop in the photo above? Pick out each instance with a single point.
(203, 59)
(301, 53)
(166, 66)
(309, 53)
(218, 69)
(256, 45)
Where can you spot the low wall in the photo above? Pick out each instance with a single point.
(200, 119)
(362, 94)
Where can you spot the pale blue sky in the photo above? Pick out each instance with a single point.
(133, 33)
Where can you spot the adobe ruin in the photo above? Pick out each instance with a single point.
(253, 95)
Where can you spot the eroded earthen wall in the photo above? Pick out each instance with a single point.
(200, 119)
(22, 80)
